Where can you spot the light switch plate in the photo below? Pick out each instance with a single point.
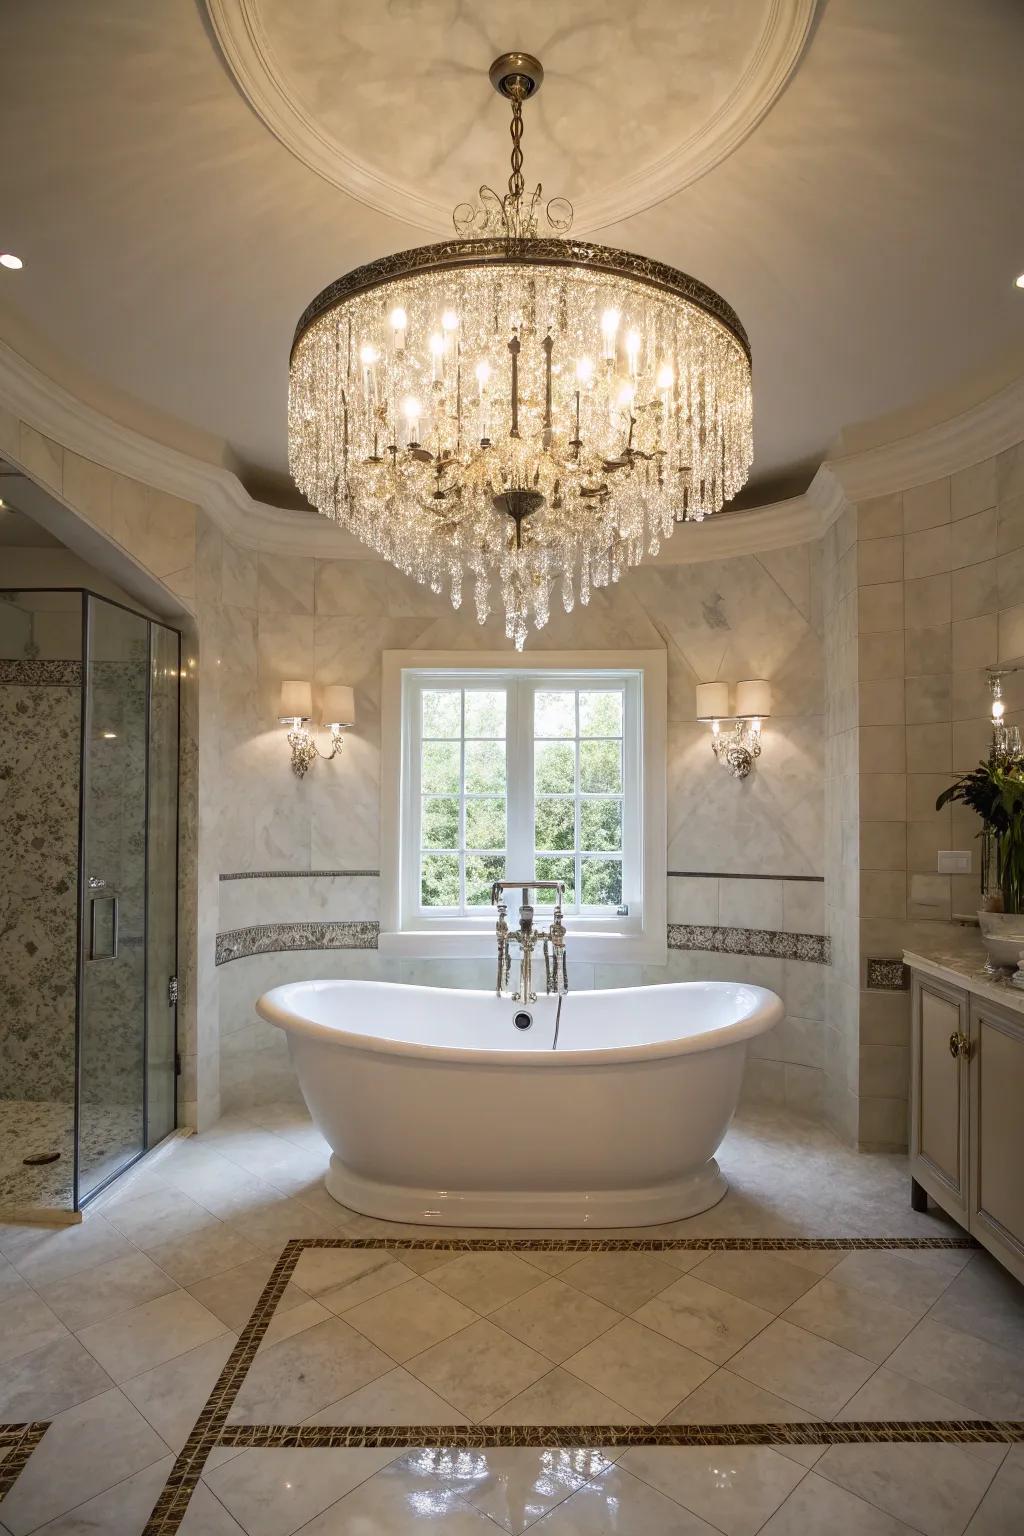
(954, 861)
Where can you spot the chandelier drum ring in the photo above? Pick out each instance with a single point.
(518, 410)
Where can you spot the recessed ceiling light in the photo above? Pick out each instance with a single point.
(14, 262)
(1019, 281)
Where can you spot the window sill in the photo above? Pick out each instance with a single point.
(599, 948)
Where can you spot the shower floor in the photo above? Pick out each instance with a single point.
(29, 1127)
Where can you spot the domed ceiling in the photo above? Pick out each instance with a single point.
(182, 176)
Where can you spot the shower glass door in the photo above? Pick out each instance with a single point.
(112, 998)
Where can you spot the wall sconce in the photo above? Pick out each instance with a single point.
(735, 749)
(296, 710)
(1006, 742)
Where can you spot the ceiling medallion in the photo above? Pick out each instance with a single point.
(514, 408)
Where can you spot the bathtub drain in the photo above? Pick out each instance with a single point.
(523, 1020)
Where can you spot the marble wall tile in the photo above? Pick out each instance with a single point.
(803, 906)
(928, 552)
(879, 560)
(750, 903)
(928, 601)
(928, 650)
(926, 506)
(240, 576)
(974, 642)
(286, 584)
(880, 517)
(693, 899)
(973, 489)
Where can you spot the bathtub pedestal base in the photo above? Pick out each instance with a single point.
(695, 1191)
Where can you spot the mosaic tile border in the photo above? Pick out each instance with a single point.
(815, 947)
(307, 1437)
(35, 673)
(887, 975)
(363, 933)
(274, 938)
(211, 1429)
(299, 874)
(23, 1439)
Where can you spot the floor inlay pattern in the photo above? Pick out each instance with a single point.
(19, 1441)
(367, 1323)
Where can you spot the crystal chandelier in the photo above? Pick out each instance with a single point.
(515, 409)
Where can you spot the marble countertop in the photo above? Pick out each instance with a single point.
(958, 956)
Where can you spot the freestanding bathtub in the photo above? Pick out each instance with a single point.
(439, 1109)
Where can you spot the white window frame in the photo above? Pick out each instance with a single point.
(640, 936)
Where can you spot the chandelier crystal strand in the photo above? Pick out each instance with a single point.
(510, 414)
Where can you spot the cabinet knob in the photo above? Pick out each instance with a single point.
(959, 1045)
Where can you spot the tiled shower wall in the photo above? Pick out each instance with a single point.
(282, 617)
(926, 589)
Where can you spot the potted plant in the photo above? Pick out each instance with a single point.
(995, 792)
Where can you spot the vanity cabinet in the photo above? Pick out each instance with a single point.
(967, 1112)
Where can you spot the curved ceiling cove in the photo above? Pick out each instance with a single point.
(636, 107)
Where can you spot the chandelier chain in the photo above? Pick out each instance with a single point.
(516, 181)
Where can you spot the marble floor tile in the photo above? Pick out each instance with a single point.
(303, 1374)
(402, 1503)
(50, 1380)
(119, 1511)
(999, 1513)
(644, 1371)
(406, 1321)
(26, 1324)
(485, 1281)
(341, 1278)
(726, 1398)
(703, 1318)
(271, 1226)
(551, 1262)
(395, 1398)
(987, 1301)
(11, 1283)
(86, 1450)
(96, 1294)
(156, 1217)
(913, 1281)
(200, 1255)
(515, 1488)
(619, 1504)
(44, 1255)
(621, 1280)
(935, 1488)
(284, 1325)
(171, 1396)
(887, 1395)
(273, 1493)
(858, 1320)
(806, 1370)
(559, 1398)
(964, 1367)
(769, 1280)
(817, 1507)
(555, 1319)
(206, 1516)
(734, 1488)
(146, 1336)
(232, 1295)
(478, 1369)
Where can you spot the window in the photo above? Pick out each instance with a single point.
(531, 770)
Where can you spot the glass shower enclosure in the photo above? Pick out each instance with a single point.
(89, 721)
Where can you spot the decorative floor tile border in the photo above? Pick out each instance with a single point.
(22, 1440)
(350, 1437)
(212, 1430)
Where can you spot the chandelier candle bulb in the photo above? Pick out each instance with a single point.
(589, 469)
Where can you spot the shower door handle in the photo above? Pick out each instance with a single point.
(111, 902)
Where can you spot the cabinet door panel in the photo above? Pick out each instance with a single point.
(939, 1099)
(997, 1186)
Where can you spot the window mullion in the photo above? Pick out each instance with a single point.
(519, 779)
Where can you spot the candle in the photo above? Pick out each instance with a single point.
(609, 326)
(633, 352)
(436, 353)
(483, 374)
(411, 412)
(398, 324)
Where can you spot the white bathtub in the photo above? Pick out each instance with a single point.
(438, 1110)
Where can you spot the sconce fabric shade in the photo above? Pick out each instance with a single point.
(339, 706)
(753, 699)
(296, 701)
(712, 701)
